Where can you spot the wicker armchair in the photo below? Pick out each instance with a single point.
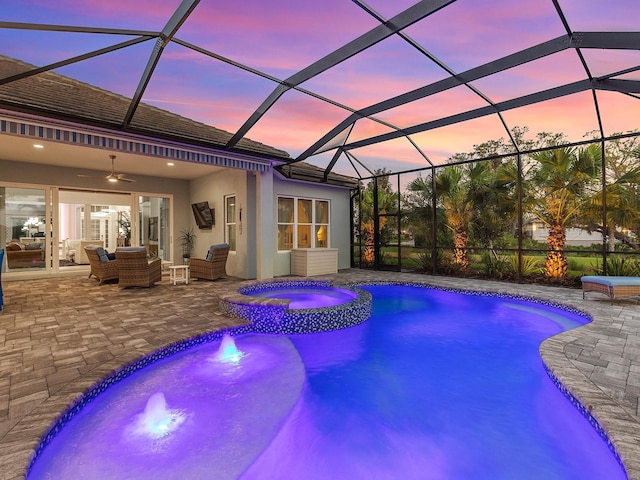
(135, 270)
(213, 266)
(103, 269)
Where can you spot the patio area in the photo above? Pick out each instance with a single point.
(60, 335)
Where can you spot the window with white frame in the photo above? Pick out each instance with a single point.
(302, 223)
(230, 221)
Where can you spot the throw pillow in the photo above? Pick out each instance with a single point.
(209, 256)
(13, 247)
(102, 254)
(131, 249)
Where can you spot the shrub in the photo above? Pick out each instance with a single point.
(446, 263)
(424, 262)
(530, 265)
(619, 266)
(496, 266)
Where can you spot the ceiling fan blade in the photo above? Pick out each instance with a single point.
(113, 176)
(123, 177)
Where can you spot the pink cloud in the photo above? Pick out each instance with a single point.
(619, 112)
(598, 15)
(141, 12)
(548, 72)
(573, 115)
(466, 33)
(279, 40)
(296, 122)
(387, 69)
(449, 102)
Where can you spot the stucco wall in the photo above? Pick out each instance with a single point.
(339, 218)
(213, 188)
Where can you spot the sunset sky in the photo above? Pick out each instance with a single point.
(280, 38)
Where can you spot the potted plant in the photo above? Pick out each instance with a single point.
(124, 228)
(187, 240)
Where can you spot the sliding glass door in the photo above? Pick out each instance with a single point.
(23, 232)
(77, 218)
(154, 226)
(91, 218)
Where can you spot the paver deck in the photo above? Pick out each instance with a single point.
(58, 336)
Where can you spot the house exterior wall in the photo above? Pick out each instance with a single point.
(256, 254)
(575, 236)
(340, 212)
(213, 188)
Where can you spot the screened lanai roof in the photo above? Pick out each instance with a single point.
(346, 85)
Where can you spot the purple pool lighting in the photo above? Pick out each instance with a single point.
(436, 385)
(309, 297)
(298, 306)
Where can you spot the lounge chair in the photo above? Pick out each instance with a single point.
(213, 266)
(613, 287)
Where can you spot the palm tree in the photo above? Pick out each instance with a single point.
(622, 198)
(453, 194)
(561, 177)
(387, 203)
(418, 210)
(491, 188)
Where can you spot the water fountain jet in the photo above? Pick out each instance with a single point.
(156, 415)
(228, 352)
(158, 419)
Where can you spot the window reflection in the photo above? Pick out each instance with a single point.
(23, 227)
(230, 221)
(308, 218)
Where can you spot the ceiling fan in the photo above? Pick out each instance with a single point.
(113, 176)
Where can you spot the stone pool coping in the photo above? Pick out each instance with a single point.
(621, 427)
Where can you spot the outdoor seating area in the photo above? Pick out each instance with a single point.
(130, 266)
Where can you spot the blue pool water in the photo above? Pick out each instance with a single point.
(436, 385)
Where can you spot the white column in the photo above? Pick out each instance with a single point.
(266, 225)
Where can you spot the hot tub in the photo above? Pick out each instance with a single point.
(298, 306)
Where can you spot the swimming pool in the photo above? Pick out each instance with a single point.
(435, 385)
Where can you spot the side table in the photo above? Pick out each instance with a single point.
(179, 274)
